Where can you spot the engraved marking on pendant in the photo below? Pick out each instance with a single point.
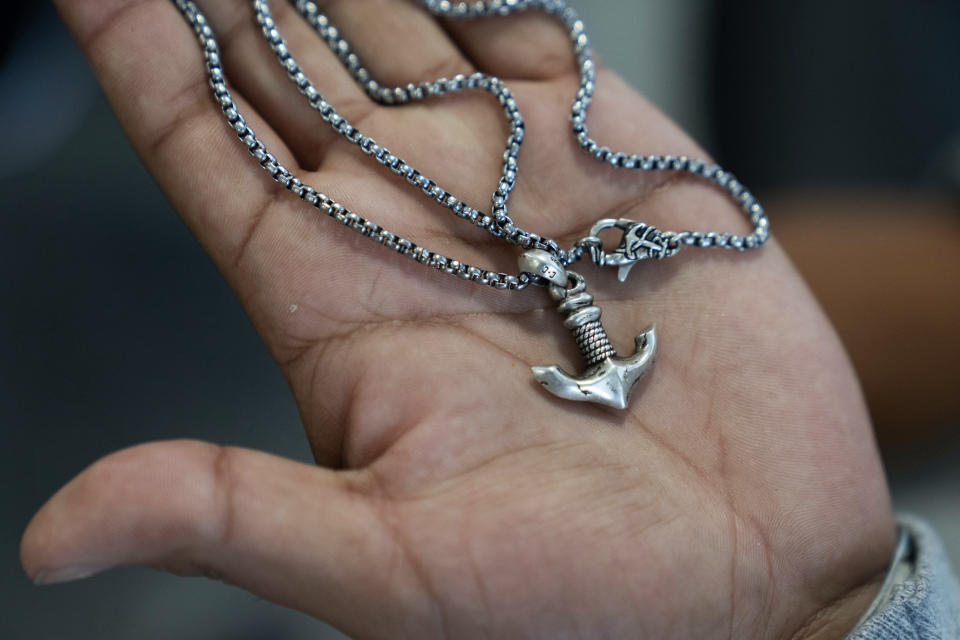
(609, 379)
(543, 264)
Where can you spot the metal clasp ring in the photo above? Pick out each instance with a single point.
(640, 241)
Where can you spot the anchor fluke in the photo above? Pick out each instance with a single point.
(610, 382)
(609, 379)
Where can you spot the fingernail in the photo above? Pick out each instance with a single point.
(66, 574)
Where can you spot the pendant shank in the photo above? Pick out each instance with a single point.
(583, 320)
(593, 342)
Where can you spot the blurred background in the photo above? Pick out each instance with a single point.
(843, 117)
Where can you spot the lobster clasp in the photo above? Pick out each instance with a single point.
(640, 241)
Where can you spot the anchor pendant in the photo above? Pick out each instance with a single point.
(609, 379)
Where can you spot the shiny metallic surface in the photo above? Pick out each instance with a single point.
(544, 265)
(639, 242)
(497, 222)
(593, 342)
(582, 317)
(609, 380)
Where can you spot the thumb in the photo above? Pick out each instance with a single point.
(292, 533)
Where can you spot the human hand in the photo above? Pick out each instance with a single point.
(740, 495)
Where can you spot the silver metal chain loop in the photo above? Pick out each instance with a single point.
(310, 195)
(498, 222)
(581, 45)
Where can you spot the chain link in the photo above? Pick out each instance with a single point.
(498, 222)
(578, 117)
(310, 195)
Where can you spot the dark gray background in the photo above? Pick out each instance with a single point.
(117, 329)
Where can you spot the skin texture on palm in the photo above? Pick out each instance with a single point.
(740, 496)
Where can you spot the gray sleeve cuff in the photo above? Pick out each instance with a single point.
(921, 598)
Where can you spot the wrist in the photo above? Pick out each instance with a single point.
(828, 594)
(838, 617)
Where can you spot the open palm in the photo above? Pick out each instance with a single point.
(740, 496)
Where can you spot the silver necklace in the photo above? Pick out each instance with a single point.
(608, 379)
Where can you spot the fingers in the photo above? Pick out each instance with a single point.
(398, 42)
(152, 71)
(289, 532)
(529, 45)
(253, 67)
